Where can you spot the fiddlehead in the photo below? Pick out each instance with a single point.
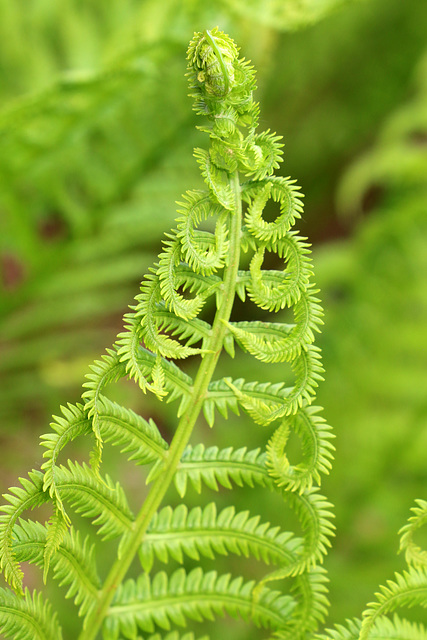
(218, 231)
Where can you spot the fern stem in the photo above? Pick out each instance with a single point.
(183, 432)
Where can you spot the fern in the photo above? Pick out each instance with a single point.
(219, 230)
(408, 589)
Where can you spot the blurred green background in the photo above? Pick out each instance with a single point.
(96, 139)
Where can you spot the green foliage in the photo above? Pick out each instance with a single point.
(328, 89)
(407, 589)
(201, 263)
(89, 172)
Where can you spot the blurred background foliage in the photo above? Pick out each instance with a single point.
(96, 139)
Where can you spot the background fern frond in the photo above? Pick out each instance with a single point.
(414, 554)
(408, 589)
(384, 629)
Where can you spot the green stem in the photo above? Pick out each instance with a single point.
(183, 432)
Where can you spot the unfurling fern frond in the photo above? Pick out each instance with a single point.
(184, 310)
(384, 629)
(414, 554)
(408, 589)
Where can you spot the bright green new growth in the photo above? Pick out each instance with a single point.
(217, 231)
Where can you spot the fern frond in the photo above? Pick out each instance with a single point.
(159, 290)
(414, 554)
(108, 369)
(384, 629)
(281, 190)
(170, 601)
(313, 512)
(216, 467)
(267, 402)
(204, 532)
(139, 438)
(92, 497)
(177, 383)
(315, 516)
(211, 58)
(203, 252)
(31, 494)
(142, 326)
(262, 156)
(274, 290)
(408, 589)
(28, 617)
(174, 276)
(73, 423)
(280, 342)
(56, 531)
(217, 180)
(317, 450)
(191, 331)
(73, 563)
(199, 263)
(168, 276)
(128, 345)
(310, 592)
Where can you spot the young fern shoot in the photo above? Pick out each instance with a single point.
(163, 328)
